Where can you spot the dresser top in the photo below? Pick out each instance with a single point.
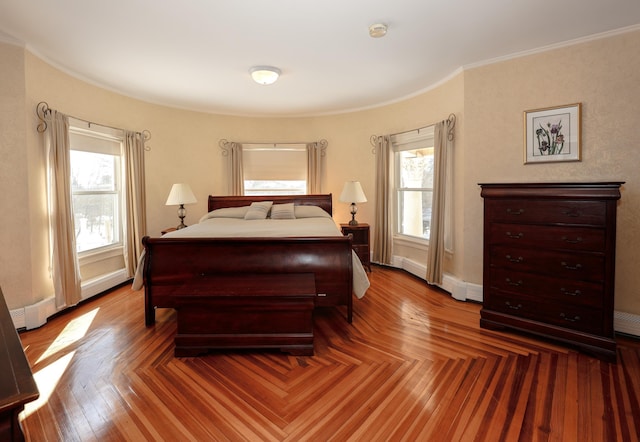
(599, 190)
(555, 184)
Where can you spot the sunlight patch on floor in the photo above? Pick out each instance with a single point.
(47, 379)
(75, 330)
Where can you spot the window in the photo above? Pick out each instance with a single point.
(96, 165)
(413, 182)
(275, 169)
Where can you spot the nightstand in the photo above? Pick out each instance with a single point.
(168, 229)
(360, 243)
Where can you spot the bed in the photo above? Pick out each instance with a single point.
(226, 254)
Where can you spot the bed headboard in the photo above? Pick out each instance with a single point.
(322, 200)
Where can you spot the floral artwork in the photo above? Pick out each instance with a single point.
(550, 139)
(552, 134)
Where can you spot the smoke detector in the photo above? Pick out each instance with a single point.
(378, 30)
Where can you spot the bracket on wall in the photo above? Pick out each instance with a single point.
(450, 122)
(43, 111)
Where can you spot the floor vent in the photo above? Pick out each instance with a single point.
(626, 323)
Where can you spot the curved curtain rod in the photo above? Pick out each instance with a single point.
(42, 109)
(450, 122)
(225, 145)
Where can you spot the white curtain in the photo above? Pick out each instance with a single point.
(65, 269)
(382, 238)
(438, 204)
(314, 168)
(135, 199)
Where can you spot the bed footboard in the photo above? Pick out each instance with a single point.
(175, 267)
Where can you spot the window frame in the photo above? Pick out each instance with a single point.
(408, 141)
(80, 128)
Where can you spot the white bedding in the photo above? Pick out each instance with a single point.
(218, 224)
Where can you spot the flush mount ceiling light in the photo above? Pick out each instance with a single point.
(378, 30)
(264, 74)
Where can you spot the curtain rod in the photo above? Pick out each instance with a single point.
(450, 122)
(42, 109)
(225, 145)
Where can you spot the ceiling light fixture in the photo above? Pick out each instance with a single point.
(265, 74)
(378, 30)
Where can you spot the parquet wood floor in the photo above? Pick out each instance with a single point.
(414, 365)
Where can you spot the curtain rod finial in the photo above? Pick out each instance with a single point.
(42, 110)
(451, 124)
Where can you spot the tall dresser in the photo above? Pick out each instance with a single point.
(549, 261)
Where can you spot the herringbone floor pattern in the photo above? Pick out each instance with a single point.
(414, 365)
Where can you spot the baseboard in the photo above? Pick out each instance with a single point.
(17, 316)
(460, 290)
(623, 322)
(98, 285)
(36, 315)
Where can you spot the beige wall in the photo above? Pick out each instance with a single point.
(15, 218)
(488, 102)
(603, 75)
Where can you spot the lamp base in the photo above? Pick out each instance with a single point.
(354, 209)
(182, 212)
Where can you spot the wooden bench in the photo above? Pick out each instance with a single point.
(17, 386)
(245, 311)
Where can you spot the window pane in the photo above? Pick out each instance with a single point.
(416, 168)
(265, 187)
(414, 213)
(94, 183)
(96, 220)
(93, 171)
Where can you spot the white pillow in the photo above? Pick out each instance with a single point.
(283, 211)
(226, 212)
(310, 212)
(258, 210)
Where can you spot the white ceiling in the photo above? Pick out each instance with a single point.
(196, 54)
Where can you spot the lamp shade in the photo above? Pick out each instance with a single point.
(352, 193)
(180, 194)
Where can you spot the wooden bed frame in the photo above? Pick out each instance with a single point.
(177, 270)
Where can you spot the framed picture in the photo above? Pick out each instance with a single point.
(552, 134)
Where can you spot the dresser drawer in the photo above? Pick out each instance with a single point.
(585, 319)
(560, 290)
(360, 236)
(547, 237)
(591, 213)
(585, 266)
(361, 250)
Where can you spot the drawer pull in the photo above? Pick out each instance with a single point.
(573, 293)
(572, 241)
(572, 213)
(513, 307)
(566, 318)
(570, 267)
(514, 283)
(515, 235)
(515, 211)
(512, 259)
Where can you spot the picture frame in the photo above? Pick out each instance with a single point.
(552, 134)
